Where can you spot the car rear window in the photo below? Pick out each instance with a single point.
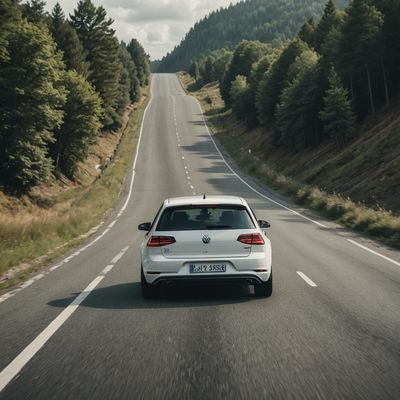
(191, 218)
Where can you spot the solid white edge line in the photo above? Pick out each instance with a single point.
(12, 369)
(374, 252)
(247, 184)
(306, 278)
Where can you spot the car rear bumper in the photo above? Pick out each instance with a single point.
(247, 279)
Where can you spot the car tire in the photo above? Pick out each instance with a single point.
(148, 290)
(264, 289)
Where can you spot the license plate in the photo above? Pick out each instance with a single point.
(207, 268)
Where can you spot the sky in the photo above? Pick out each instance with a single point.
(159, 25)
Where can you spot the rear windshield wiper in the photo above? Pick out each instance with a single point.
(218, 226)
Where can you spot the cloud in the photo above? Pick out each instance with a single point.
(158, 24)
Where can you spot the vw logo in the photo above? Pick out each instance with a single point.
(206, 239)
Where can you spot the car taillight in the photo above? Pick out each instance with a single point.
(159, 241)
(252, 239)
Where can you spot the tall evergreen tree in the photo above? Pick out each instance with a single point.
(68, 42)
(34, 11)
(330, 20)
(102, 47)
(10, 13)
(141, 60)
(81, 124)
(297, 112)
(131, 70)
(275, 80)
(307, 32)
(337, 116)
(31, 103)
(360, 42)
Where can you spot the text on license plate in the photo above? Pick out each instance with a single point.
(207, 268)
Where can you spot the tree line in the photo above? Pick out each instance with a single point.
(62, 81)
(269, 21)
(316, 86)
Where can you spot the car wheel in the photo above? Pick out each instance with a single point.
(148, 290)
(264, 289)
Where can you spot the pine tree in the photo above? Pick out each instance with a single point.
(81, 124)
(297, 111)
(30, 105)
(34, 11)
(10, 13)
(68, 42)
(359, 47)
(337, 116)
(330, 19)
(102, 47)
(141, 60)
(131, 70)
(307, 32)
(275, 80)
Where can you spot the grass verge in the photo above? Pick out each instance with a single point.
(30, 241)
(375, 223)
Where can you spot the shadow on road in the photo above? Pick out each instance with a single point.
(129, 296)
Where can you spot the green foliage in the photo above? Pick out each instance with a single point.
(81, 124)
(337, 116)
(296, 116)
(48, 106)
(34, 11)
(245, 55)
(360, 48)
(220, 65)
(307, 32)
(271, 21)
(331, 19)
(238, 94)
(102, 47)
(129, 79)
(68, 42)
(275, 80)
(141, 60)
(31, 105)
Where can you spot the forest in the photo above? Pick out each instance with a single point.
(335, 72)
(269, 21)
(63, 80)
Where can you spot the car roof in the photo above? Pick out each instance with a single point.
(200, 200)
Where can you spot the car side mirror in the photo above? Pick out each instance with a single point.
(264, 224)
(145, 226)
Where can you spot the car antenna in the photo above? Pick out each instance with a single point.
(204, 196)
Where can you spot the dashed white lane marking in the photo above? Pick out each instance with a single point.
(82, 249)
(13, 369)
(183, 157)
(119, 255)
(306, 278)
(375, 252)
(191, 187)
(247, 184)
(107, 269)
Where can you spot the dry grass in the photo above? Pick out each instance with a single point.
(378, 223)
(61, 219)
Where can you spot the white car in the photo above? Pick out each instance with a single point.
(206, 239)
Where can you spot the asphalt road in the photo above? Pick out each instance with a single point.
(82, 331)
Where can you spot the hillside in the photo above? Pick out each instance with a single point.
(263, 20)
(355, 186)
